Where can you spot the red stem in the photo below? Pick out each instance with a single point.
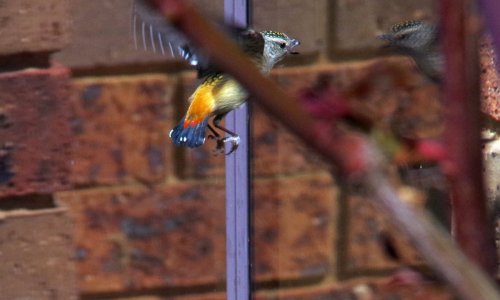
(471, 226)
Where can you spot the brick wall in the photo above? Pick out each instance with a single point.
(149, 217)
(36, 232)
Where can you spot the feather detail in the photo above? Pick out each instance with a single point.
(152, 32)
(190, 136)
(202, 102)
(190, 131)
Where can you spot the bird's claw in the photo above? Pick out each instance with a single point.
(235, 142)
(219, 149)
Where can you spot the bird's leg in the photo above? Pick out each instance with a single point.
(218, 139)
(215, 135)
(233, 138)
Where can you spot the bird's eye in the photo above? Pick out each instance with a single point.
(282, 45)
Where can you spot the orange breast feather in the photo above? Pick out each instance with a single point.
(202, 105)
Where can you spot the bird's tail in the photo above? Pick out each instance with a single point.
(189, 134)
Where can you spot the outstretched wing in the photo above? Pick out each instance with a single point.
(153, 32)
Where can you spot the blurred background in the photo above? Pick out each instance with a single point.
(97, 203)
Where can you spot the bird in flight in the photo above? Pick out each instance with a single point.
(218, 93)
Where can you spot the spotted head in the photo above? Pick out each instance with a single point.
(276, 46)
(411, 36)
(419, 40)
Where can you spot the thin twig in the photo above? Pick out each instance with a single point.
(351, 154)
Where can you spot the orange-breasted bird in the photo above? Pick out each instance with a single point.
(218, 93)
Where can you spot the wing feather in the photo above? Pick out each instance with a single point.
(154, 31)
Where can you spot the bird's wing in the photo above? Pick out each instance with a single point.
(153, 32)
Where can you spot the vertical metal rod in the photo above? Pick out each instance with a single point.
(238, 184)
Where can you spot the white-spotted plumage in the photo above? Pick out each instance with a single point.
(419, 40)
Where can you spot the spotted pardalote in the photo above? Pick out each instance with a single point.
(218, 93)
(419, 40)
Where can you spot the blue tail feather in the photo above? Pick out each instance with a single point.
(191, 136)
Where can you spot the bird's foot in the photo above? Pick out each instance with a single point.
(219, 148)
(221, 141)
(235, 142)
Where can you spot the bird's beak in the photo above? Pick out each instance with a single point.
(386, 38)
(293, 43)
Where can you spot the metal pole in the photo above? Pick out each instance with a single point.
(238, 184)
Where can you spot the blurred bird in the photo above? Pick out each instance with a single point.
(419, 40)
(218, 93)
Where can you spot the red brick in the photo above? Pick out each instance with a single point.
(390, 91)
(208, 296)
(421, 291)
(294, 227)
(201, 162)
(36, 253)
(276, 151)
(318, 292)
(357, 23)
(282, 15)
(212, 295)
(136, 238)
(359, 289)
(35, 135)
(109, 33)
(121, 126)
(370, 239)
(490, 87)
(33, 25)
